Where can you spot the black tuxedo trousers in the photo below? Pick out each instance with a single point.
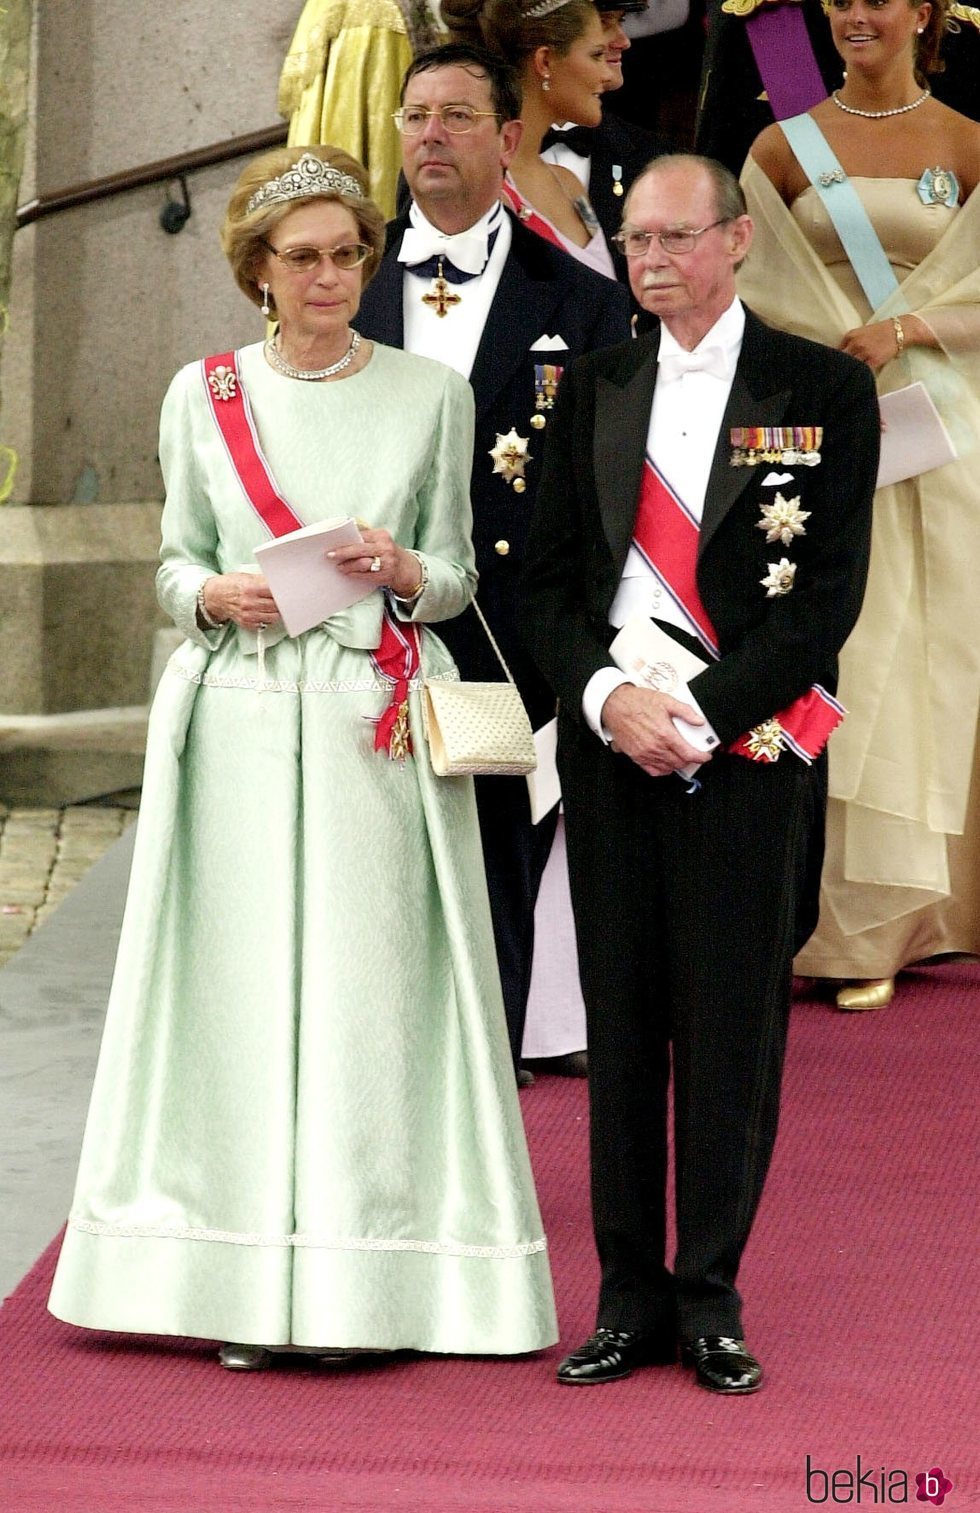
(694, 979)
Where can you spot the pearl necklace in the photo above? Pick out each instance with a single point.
(879, 115)
(310, 375)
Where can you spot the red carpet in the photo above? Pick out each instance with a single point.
(861, 1287)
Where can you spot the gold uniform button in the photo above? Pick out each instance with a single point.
(519, 485)
(538, 422)
(502, 548)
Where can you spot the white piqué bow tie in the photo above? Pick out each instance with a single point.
(703, 360)
(467, 250)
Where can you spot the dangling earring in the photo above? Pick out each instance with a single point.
(546, 83)
(266, 311)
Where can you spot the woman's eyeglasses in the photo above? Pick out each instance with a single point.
(303, 259)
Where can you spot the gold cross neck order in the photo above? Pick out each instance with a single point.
(441, 297)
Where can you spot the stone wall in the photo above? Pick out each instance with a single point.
(105, 306)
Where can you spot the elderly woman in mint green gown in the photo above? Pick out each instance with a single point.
(304, 1131)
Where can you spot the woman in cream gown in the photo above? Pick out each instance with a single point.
(902, 875)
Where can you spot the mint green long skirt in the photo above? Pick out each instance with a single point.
(304, 1127)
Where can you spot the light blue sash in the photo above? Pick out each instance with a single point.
(851, 221)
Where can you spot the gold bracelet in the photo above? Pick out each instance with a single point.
(899, 336)
(416, 592)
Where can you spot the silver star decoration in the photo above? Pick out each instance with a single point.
(782, 519)
(510, 455)
(780, 579)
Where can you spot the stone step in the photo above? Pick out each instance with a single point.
(71, 758)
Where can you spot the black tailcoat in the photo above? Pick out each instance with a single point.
(689, 905)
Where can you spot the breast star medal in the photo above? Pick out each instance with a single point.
(510, 457)
(780, 578)
(782, 519)
(442, 296)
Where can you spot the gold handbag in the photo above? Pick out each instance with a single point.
(477, 728)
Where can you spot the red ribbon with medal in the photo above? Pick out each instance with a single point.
(666, 534)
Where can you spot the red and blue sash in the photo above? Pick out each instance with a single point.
(666, 536)
(396, 659)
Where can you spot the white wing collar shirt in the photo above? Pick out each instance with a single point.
(481, 252)
(689, 403)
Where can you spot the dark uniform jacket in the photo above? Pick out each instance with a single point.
(542, 292)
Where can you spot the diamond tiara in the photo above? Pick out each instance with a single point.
(309, 176)
(543, 8)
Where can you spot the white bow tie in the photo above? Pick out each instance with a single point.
(706, 360)
(467, 250)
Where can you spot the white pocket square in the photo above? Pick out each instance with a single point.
(549, 344)
(777, 478)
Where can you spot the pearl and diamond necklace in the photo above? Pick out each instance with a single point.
(310, 375)
(879, 115)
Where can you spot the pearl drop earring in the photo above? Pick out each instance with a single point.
(546, 83)
(266, 311)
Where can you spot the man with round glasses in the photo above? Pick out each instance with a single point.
(462, 281)
(708, 485)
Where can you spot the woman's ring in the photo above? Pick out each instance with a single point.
(262, 625)
(375, 564)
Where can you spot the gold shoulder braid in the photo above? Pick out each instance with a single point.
(746, 8)
(968, 13)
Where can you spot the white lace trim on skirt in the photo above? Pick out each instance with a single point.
(307, 1242)
(261, 684)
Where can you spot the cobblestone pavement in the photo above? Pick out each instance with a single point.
(43, 854)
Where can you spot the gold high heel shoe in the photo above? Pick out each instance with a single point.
(873, 994)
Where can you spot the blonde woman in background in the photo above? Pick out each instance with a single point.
(901, 881)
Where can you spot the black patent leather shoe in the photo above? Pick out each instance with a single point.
(610, 1354)
(722, 1364)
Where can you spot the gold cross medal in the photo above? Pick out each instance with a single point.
(510, 457)
(442, 296)
(765, 741)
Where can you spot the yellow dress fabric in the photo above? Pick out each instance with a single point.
(902, 875)
(340, 84)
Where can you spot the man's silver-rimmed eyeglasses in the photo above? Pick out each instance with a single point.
(674, 240)
(303, 259)
(457, 119)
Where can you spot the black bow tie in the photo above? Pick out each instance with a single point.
(578, 138)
